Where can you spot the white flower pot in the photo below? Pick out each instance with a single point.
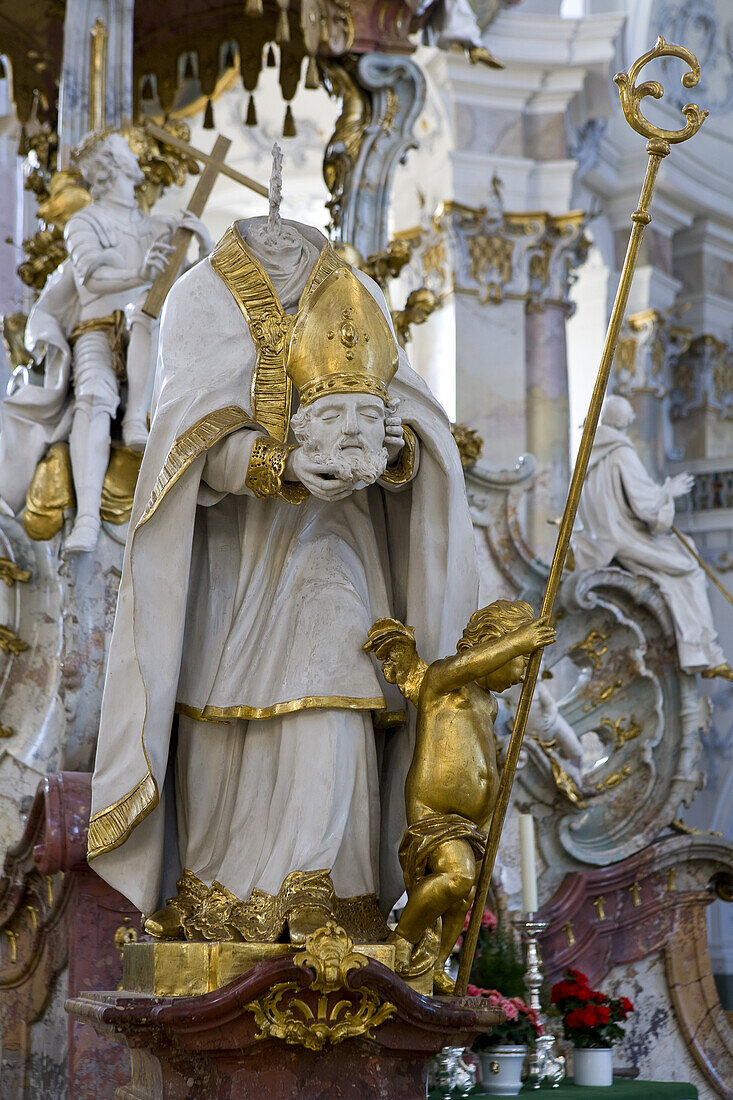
(593, 1066)
(501, 1070)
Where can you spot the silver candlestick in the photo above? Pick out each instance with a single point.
(543, 1063)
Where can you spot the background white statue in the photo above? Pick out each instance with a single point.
(89, 322)
(627, 516)
(454, 23)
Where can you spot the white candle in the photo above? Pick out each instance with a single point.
(529, 867)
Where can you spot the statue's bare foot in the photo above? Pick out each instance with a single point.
(718, 672)
(165, 923)
(84, 535)
(134, 433)
(443, 983)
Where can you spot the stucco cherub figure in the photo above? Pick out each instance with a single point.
(90, 326)
(453, 780)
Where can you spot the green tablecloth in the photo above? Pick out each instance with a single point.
(622, 1088)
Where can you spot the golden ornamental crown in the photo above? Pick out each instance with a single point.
(341, 342)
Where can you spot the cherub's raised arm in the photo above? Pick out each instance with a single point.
(471, 664)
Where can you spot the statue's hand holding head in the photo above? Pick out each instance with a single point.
(342, 357)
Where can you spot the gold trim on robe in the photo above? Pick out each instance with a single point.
(269, 325)
(197, 439)
(404, 468)
(312, 702)
(109, 828)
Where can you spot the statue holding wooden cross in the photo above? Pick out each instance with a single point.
(96, 324)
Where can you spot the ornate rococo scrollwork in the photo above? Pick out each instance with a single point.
(615, 734)
(632, 94)
(330, 957)
(382, 97)
(648, 352)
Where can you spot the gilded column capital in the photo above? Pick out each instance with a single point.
(647, 353)
(702, 379)
(498, 254)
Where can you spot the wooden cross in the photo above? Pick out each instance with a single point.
(214, 162)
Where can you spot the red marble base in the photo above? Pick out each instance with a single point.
(54, 909)
(212, 1048)
(653, 902)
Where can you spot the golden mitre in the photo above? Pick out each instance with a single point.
(341, 342)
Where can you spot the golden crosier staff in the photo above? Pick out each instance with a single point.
(657, 146)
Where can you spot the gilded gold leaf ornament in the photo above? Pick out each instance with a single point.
(329, 954)
(120, 480)
(620, 733)
(215, 913)
(614, 779)
(469, 443)
(10, 642)
(10, 573)
(631, 95)
(593, 646)
(420, 304)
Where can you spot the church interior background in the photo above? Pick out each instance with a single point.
(491, 205)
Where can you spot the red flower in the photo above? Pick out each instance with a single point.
(561, 990)
(626, 1006)
(576, 1018)
(564, 989)
(578, 975)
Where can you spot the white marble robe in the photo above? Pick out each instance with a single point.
(626, 515)
(169, 642)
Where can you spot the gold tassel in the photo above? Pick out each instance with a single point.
(271, 61)
(209, 115)
(253, 8)
(289, 124)
(312, 76)
(251, 119)
(282, 34)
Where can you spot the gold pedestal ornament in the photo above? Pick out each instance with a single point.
(178, 969)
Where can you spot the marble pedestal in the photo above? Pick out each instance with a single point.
(54, 911)
(340, 1027)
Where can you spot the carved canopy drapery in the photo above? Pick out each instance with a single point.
(31, 36)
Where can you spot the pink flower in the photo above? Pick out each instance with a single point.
(488, 920)
(512, 1012)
